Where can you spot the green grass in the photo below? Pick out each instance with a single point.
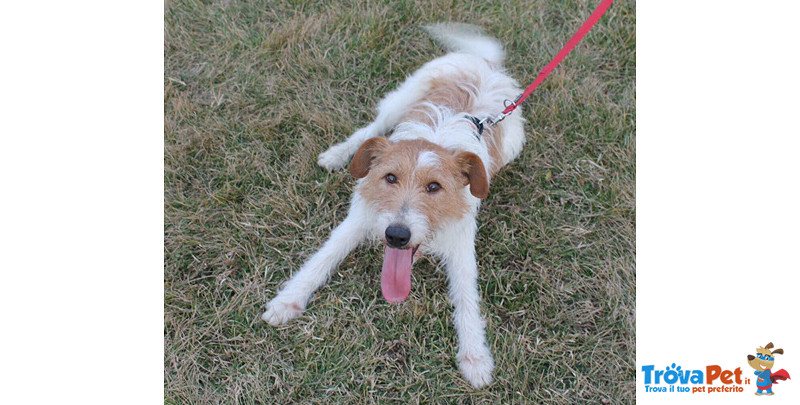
(255, 91)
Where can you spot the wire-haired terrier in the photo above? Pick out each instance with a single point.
(419, 187)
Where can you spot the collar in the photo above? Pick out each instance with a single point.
(478, 125)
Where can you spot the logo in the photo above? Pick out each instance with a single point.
(675, 379)
(716, 378)
(763, 362)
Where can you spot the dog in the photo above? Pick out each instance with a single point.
(762, 362)
(422, 168)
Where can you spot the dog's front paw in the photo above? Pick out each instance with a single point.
(476, 366)
(279, 312)
(336, 157)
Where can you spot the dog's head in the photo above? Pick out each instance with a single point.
(415, 187)
(764, 358)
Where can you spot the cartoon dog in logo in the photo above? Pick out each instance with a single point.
(762, 362)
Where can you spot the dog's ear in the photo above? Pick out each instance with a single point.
(359, 166)
(777, 351)
(768, 346)
(472, 167)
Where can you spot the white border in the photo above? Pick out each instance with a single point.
(81, 158)
(718, 170)
(81, 154)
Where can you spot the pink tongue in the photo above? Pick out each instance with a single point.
(396, 274)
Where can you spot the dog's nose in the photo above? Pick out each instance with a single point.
(397, 236)
(750, 357)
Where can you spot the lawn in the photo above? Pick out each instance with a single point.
(254, 91)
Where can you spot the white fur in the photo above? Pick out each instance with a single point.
(468, 39)
(427, 158)
(454, 242)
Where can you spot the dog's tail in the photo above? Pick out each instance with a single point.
(465, 38)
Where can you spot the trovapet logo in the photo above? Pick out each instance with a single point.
(762, 362)
(715, 378)
(674, 379)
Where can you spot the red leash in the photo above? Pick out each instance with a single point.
(587, 25)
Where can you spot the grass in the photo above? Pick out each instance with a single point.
(254, 91)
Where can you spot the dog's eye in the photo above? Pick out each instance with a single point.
(433, 187)
(390, 178)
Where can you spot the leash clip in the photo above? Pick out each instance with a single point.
(507, 103)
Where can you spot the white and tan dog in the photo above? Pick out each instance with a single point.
(420, 188)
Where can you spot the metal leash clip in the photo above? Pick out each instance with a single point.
(507, 103)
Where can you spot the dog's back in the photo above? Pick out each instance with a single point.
(468, 80)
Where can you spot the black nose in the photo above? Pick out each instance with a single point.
(397, 236)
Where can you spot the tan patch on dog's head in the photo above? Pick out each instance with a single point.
(417, 178)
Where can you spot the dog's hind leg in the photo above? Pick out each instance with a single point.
(457, 248)
(390, 110)
(292, 299)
